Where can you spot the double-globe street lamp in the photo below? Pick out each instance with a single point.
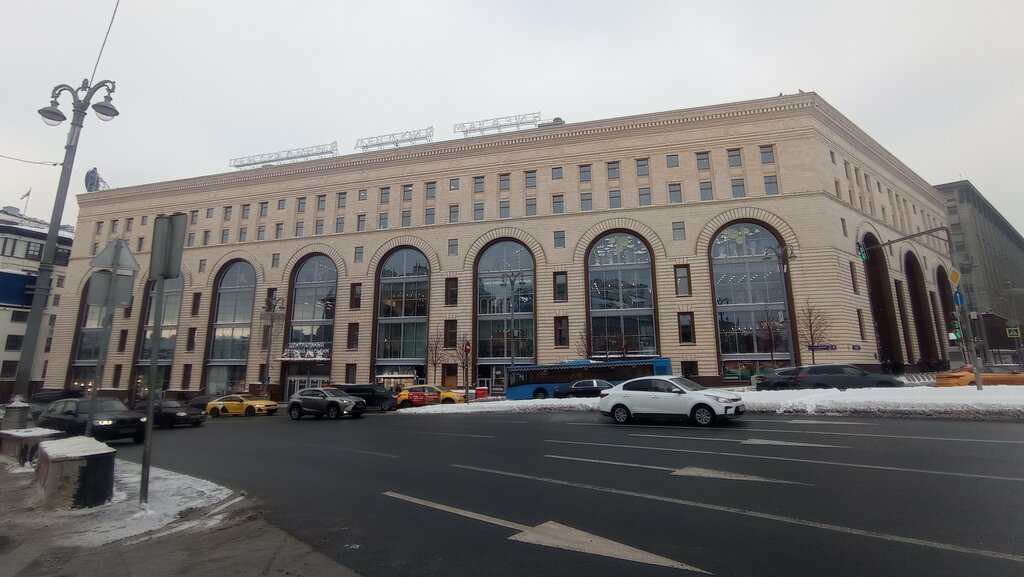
(53, 116)
(512, 280)
(782, 256)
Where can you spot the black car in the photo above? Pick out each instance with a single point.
(584, 388)
(168, 412)
(42, 399)
(375, 396)
(111, 419)
(823, 377)
(201, 401)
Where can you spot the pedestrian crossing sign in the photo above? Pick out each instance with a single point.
(1013, 332)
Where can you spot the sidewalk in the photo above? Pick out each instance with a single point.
(225, 536)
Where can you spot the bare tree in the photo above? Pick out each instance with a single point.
(770, 333)
(435, 353)
(463, 356)
(815, 325)
(582, 340)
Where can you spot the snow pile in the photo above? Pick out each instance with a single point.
(525, 406)
(31, 432)
(74, 448)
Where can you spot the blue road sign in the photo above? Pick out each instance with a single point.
(958, 298)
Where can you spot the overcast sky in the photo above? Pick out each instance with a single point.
(937, 83)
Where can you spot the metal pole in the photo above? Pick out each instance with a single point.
(108, 321)
(154, 359)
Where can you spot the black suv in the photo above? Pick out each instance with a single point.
(823, 377)
(376, 396)
(42, 399)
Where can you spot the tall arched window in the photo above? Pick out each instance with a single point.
(504, 308)
(402, 311)
(314, 292)
(750, 295)
(87, 352)
(232, 318)
(621, 297)
(168, 330)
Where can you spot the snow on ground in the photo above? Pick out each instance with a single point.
(994, 402)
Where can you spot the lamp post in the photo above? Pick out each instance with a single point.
(782, 256)
(270, 310)
(511, 280)
(53, 116)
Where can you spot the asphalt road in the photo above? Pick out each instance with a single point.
(402, 495)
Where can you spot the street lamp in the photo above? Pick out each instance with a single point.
(53, 116)
(782, 256)
(270, 310)
(511, 280)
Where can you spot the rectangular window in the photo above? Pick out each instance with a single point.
(202, 265)
(556, 173)
(453, 213)
(60, 281)
(703, 160)
(275, 260)
(586, 201)
(614, 199)
(122, 341)
(504, 181)
(9, 369)
(113, 225)
(145, 220)
(504, 209)
(613, 171)
(281, 204)
(190, 342)
(451, 333)
(339, 225)
(531, 206)
(128, 222)
(561, 286)
(357, 254)
(557, 204)
(453, 246)
(186, 377)
(382, 221)
(228, 212)
(559, 239)
(95, 248)
(431, 189)
(300, 228)
(225, 236)
(360, 222)
(682, 280)
(363, 193)
(478, 211)
(453, 184)
(353, 336)
(585, 173)
(689, 368)
(246, 210)
(385, 194)
(705, 190)
(679, 231)
(278, 230)
(350, 372)
(49, 344)
(243, 234)
(342, 199)
(675, 193)
(839, 192)
(14, 342)
(406, 218)
(406, 192)
(561, 331)
(34, 251)
(645, 196)
(193, 216)
(301, 206)
(19, 316)
(860, 323)
(428, 216)
(140, 245)
(843, 222)
(832, 154)
(853, 277)
(355, 296)
(56, 300)
(264, 209)
(209, 213)
(197, 299)
(771, 185)
(734, 157)
(739, 190)
(531, 178)
(768, 154)
(99, 227)
(261, 232)
(672, 160)
(318, 226)
(478, 184)
(321, 202)
(451, 291)
(686, 335)
(643, 167)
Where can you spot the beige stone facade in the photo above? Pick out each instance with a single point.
(836, 186)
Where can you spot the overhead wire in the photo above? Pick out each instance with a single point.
(104, 45)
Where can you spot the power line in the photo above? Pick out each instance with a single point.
(104, 45)
(43, 162)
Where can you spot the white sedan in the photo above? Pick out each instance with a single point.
(669, 396)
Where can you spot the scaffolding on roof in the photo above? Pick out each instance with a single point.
(514, 122)
(286, 156)
(397, 139)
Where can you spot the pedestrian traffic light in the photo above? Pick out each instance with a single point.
(956, 329)
(862, 252)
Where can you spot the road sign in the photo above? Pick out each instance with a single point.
(1013, 332)
(958, 298)
(954, 276)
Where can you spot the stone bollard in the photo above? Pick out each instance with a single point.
(75, 473)
(16, 416)
(21, 444)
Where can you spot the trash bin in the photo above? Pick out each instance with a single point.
(481, 392)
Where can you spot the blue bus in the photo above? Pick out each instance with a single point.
(539, 381)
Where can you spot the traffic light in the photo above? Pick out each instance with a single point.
(862, 251)
(956, 327)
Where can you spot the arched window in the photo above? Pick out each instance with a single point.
(748, 271)
(87, 352)
(168, 329)
(621, 297)
(402, 308)
(314, 292)
(232, 318)
(504, 306)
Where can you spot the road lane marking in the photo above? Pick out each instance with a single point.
(760, 515)
(552, 534)
(809, 422)
(348, 450)
(685, 471)
(225, 506)
(456, 435)
(791, 460)
(742, 441)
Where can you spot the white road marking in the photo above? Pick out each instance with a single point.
(456, 435)
(791, 460)
(809, 422)
(684, 472)
(759, 515)
(224, 506)
(742, 441)
(551, 534)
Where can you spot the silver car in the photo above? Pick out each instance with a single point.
(324, 401)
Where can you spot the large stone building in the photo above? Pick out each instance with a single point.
(991, 252)
(22, 238)
(702, 235)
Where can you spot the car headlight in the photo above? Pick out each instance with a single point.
(180, 414)
(142, 420)
(721, 399)
(103, 422)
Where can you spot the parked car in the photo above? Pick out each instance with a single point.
(111, 419)
(43, 398)
(169, 412)
(201, 401)
(823, 377)
(376, 396)
(420, 395)
(666, 396)
(247, 405)
(990, 375)
(584, 388)
(325, 401)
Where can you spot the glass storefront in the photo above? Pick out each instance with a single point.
(621, 298)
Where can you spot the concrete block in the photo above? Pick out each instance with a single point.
(75, 473)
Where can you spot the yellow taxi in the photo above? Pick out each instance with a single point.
(247, 405)
(420, 395)
(990, 375)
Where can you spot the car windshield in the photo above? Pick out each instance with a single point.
(686, 384)
(248, 398)
(101, 406)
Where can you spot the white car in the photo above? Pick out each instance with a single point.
(669, 396)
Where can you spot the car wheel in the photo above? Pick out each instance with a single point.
(215, 412)
(404, 405)
(250, 411)
(703, 415)
(447, 401)
(540, 394)
(333, 412)
(621, 414)
(295, 412)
